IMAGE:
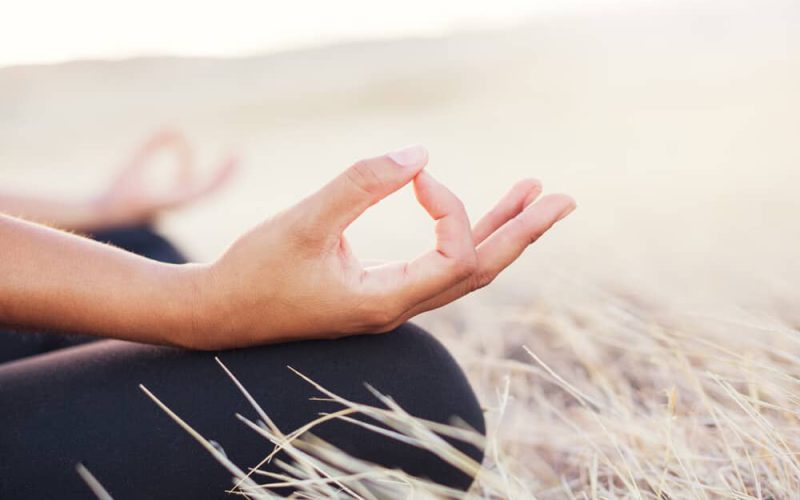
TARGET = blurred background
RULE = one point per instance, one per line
(674, 124)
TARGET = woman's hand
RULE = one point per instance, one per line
(294, 276)
(131, 199)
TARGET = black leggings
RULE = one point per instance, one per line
(70, 399)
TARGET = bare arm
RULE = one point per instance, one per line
(128, 199)
(54, 280)
(80, 215)
(292, 277)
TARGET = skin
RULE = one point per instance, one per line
(128, 198)
(292, 277)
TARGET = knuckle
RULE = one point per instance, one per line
(482, 278)
(535, 235)
(304, 238)
(364, 177)
(529, 230)
(302, 231)
(303, 234)
(458, 205)
(518, 224)
(524, 233)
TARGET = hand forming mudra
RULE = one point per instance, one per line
(128, 199)
(294, 276)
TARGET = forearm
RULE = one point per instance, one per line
(64, 214)
(57, 281)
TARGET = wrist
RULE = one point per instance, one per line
(212, 313)
(184, 305)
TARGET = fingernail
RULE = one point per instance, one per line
(409, 156)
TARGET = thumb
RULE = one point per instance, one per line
(364, 184)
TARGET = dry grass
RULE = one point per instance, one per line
(604, 400)
(610, 401)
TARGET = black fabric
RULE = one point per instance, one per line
(82, 404)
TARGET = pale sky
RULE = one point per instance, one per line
(42, 31)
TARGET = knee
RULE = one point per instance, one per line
(439, 387)
(447, 396)
(418, 372)
(408, 364)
